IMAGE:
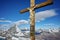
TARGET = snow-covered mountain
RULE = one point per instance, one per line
(17, 34)
(14, 33)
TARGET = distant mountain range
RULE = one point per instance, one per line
(14, 33)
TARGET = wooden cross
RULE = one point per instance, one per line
(32, 15)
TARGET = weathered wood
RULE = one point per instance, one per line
(32, 20)
(32, 15)
(24, 10)
(38, 6)
(43, 4)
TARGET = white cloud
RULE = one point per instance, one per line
(40, 16)
(51, 25)
(5, 21)
(7, 26)
(4, 26)
(21, 22)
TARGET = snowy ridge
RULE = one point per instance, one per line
(17, 33)
(14, 33)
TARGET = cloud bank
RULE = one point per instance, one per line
(21, 22)
(40, 16)
(4, 20)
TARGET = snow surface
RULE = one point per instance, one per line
(17, 33)
(2, 37)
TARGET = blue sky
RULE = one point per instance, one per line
(49, 15)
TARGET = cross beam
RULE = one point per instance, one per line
(32, 15)
(48, 2)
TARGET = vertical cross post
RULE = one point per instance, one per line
(32, 15)
(32, 20)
